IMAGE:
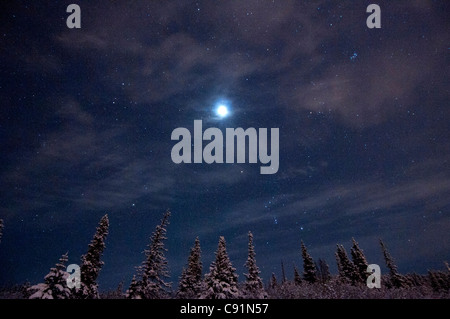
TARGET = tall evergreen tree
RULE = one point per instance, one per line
(253, 286)
(91, 262)
(283, 273)
(222, 281)
(191, 277)
(135, 290)
(396, 279)
(273, 283)
(55, 283)
(297, 277)
(323, 271)
(151, 283)
(309, 267)
(359, 260)
(347, 270)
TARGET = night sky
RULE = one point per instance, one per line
(87, 116)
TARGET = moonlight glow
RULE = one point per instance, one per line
(222, 110)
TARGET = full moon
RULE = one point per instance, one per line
(222, 110)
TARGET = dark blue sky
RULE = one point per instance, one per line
(87, 116)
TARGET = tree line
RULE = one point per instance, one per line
(221, 282)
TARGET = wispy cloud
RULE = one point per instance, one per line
(343, 204)
(86, 166)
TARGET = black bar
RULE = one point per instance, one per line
(239, 308)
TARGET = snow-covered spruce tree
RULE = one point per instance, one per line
(396, 280)
(323, 271)
(253, 286)
(297, 277)
(222, 281)
(309, 267)
(273, 282)
(135, 290)
(91, 262)
(191, 277)
(55, 283)
(359, 260)
(347, 270)
(151, 283)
